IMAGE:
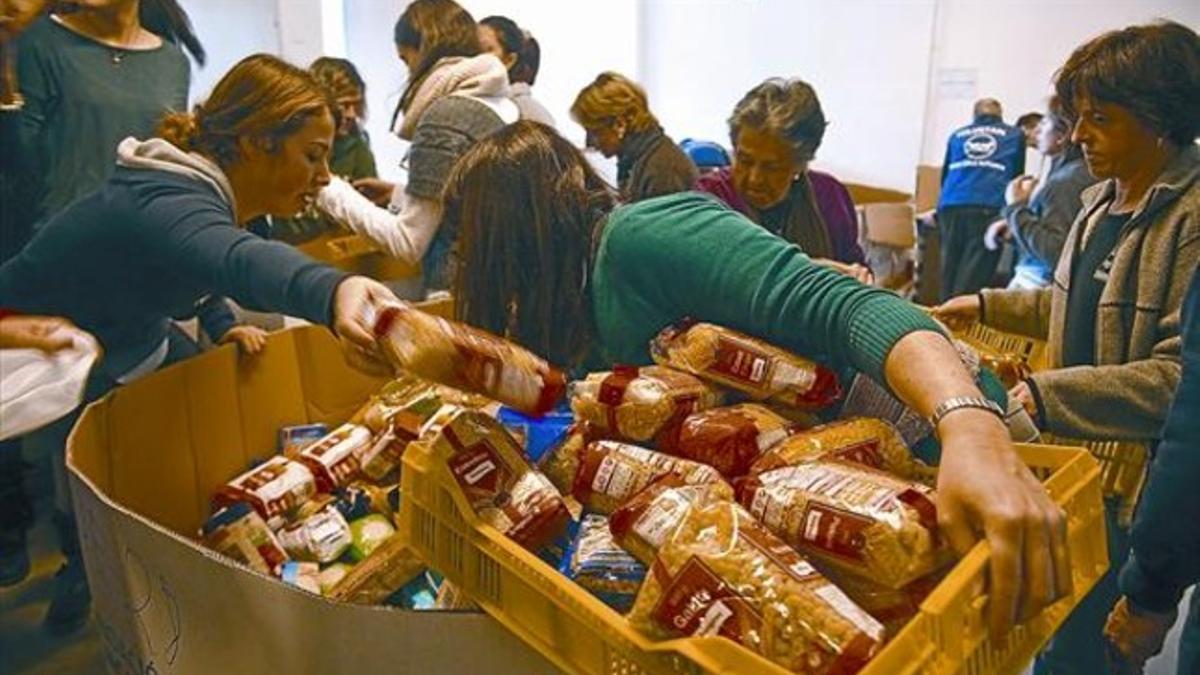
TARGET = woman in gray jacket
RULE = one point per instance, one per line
(1111, 318)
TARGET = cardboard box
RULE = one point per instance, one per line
(143, 463)
(929, 187)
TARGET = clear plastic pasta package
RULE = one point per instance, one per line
(274, 488)
(859, 520)
(610, 472)
(640, 405)
(892, 607)
(730, 439)
(645, 521)
(491, 469)
(752, 366)
(861, 440)
(722, 574)
(598, 564)
(459, 356)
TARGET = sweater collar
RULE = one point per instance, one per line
(635, 147)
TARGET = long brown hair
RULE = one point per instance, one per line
(526, 204)
(436, 29)
(262, 97)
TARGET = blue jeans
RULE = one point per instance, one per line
(1078, 646)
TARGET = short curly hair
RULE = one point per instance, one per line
(1153, 70)
(788, 108)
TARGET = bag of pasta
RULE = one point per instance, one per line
(757, 368)
(722, 574)
(640, 404)
(646, 520)
(892, 607)
(857, 519)
(859, 440)
(459, 356)
(610, 472)
(730, 439)
(504, 490)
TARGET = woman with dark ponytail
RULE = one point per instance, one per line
(520, 53)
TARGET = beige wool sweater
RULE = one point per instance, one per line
(1125, 396)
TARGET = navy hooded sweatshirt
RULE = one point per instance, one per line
(150, 245)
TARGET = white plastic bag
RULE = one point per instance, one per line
(37, 387)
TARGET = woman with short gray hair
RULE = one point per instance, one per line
(776, 130)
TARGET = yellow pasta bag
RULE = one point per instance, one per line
(750, 365)
(640, 404)
(860, 440)
(722, 574)
(862, 521)
(459, 356)
(730, 439)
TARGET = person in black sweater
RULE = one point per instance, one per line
(165, 232)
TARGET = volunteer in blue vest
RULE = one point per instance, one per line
(981, 158)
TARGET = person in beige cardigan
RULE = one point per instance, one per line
(1112, 316)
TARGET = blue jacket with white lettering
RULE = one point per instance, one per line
(981, 158)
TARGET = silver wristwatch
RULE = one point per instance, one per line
(959, 402)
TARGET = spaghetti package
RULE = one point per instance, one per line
(756, 368)
(610, 472)
(239, 532)
(640, 404)
(459, 356)
(644, 522)
(489, 466)
(730, 439)
(862, 521)
(334, 460)
(274, 488)
(860, 440)
(722, 574)
(386, 570)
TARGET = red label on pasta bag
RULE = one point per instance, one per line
(740, 361)
(696, 602)
(835, 531)
(480, 473)
(865, 453)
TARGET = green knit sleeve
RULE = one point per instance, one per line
(689, 255)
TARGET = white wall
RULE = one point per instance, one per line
(578, 40)
(867, 59)
(894, 76)
(230, 30)
(1014, 48)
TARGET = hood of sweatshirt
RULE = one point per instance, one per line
(157, 154)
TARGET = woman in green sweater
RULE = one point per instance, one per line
(546, 259)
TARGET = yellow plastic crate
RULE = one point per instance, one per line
(580, 634)
(1123, 464)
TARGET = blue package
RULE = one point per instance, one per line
(537, 435)
(294, 438)
(599, 565)
(420, 593)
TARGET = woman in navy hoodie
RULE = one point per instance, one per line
(165, 232)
